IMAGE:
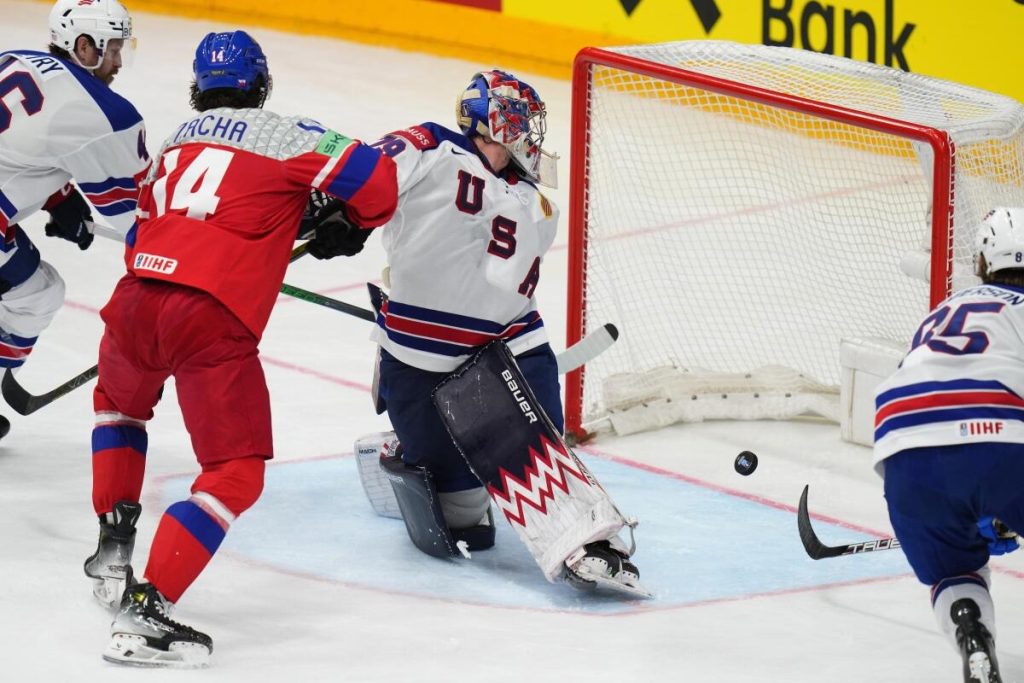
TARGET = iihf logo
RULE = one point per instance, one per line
(981, 428)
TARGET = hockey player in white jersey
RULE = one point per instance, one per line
(60, 121)
(949, 441)
(464, 253)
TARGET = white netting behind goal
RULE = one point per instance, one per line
(725, 235)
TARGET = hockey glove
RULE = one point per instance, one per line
(1001, 539)
(335, 235)
(69, 217)
(317, 207)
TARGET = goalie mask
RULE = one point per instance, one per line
(101, 20)
(501, 108)
(231, 60)
(1000, 240)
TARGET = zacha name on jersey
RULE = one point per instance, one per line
(224, 127)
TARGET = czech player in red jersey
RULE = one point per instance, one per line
(219, 214)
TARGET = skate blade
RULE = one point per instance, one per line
(132, 650)
(584, 579)
(633, 588)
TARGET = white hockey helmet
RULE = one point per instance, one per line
(1000, 240)
(101, 20)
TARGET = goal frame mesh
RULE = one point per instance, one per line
(941, 266)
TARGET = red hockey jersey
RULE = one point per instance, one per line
(221, 207)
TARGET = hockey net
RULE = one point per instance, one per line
(739, 210)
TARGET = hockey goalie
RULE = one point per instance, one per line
(555, 505)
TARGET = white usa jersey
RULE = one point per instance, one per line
(963, 379)
(59, 122)
(464, 251)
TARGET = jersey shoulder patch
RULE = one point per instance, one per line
(430, 135)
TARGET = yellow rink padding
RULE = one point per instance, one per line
(483, 36)
(975, 42)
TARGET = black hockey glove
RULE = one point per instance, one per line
(69, 214)
(317, 208)
(335, 235)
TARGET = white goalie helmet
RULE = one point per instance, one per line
(502, 108)
(1000, 240)
(101, 20)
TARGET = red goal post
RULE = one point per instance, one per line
(703, 166)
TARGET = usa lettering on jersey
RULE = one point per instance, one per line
(474, 230)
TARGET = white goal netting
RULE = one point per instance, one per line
(735, 235)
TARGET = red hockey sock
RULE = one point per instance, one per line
(118, 463)
(190, 531)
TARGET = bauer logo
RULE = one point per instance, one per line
(157, 264)
(517, 394)
(981, 428)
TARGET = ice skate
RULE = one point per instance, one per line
(143, 634)
(109, 565)
(976, 644)
(600, 565)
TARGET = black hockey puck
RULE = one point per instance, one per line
(746, 463)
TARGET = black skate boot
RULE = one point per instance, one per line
(601, 565)
(109, 565)
(143, 634)
(976, 645)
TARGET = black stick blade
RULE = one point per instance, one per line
(814, 547)
(817, 550)
(25, 403)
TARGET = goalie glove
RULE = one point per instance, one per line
(69, 217)
(335, 235)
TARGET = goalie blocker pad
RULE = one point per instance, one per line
(548, 496)
(420, 509)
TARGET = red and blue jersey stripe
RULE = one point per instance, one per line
(447, 334)
(113, 196)
(958, 400)
(14, 350)
(7, 212)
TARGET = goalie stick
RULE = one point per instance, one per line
(25, 403)
(818, 550)
(587, 349)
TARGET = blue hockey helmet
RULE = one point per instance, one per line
(502, 108)
(230, 60)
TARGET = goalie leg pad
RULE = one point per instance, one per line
(549, 497)
(420, 507)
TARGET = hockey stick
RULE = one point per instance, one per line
(25, 403)
(328, 302)
(818, 550)
(587, 349)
